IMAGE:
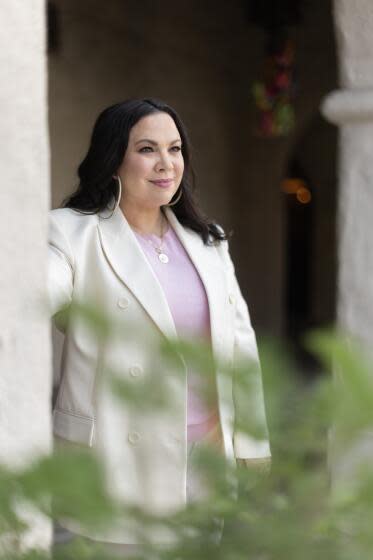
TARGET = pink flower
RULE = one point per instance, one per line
(282, 80)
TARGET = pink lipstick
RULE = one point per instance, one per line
(163, 182)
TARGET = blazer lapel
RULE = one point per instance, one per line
(211, 271)
(128, 261)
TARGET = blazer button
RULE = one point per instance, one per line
(135, 370)
(232, 299)
(134, 437)
(123, 302)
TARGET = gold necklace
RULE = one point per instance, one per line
(161, 254)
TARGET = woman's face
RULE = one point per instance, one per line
(153, 154)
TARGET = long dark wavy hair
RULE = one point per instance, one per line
(106, 151)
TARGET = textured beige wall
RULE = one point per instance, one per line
(354, 23)
(351, 107)
(24, 195)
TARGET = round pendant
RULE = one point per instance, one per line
(163, 258)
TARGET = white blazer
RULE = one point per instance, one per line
(97, 258)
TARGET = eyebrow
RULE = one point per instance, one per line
(155, 143)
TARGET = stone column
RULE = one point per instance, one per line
(25, 383)
(351, 108)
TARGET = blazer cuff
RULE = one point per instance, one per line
(73, 427)
(247, 447)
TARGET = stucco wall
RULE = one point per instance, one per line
(351, 108)
(24, 330)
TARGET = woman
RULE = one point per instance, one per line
(133, 239)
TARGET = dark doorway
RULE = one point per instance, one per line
(310, 208)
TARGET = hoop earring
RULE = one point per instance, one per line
(177, 198)
(119, 192)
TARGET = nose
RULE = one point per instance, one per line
(164, 161)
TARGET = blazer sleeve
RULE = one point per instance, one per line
(60, 267)
(250, 435)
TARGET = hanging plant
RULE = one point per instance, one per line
(274, 94)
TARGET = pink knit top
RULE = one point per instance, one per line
(188, 304)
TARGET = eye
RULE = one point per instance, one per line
(145, 149)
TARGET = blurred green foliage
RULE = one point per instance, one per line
(297, 511)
